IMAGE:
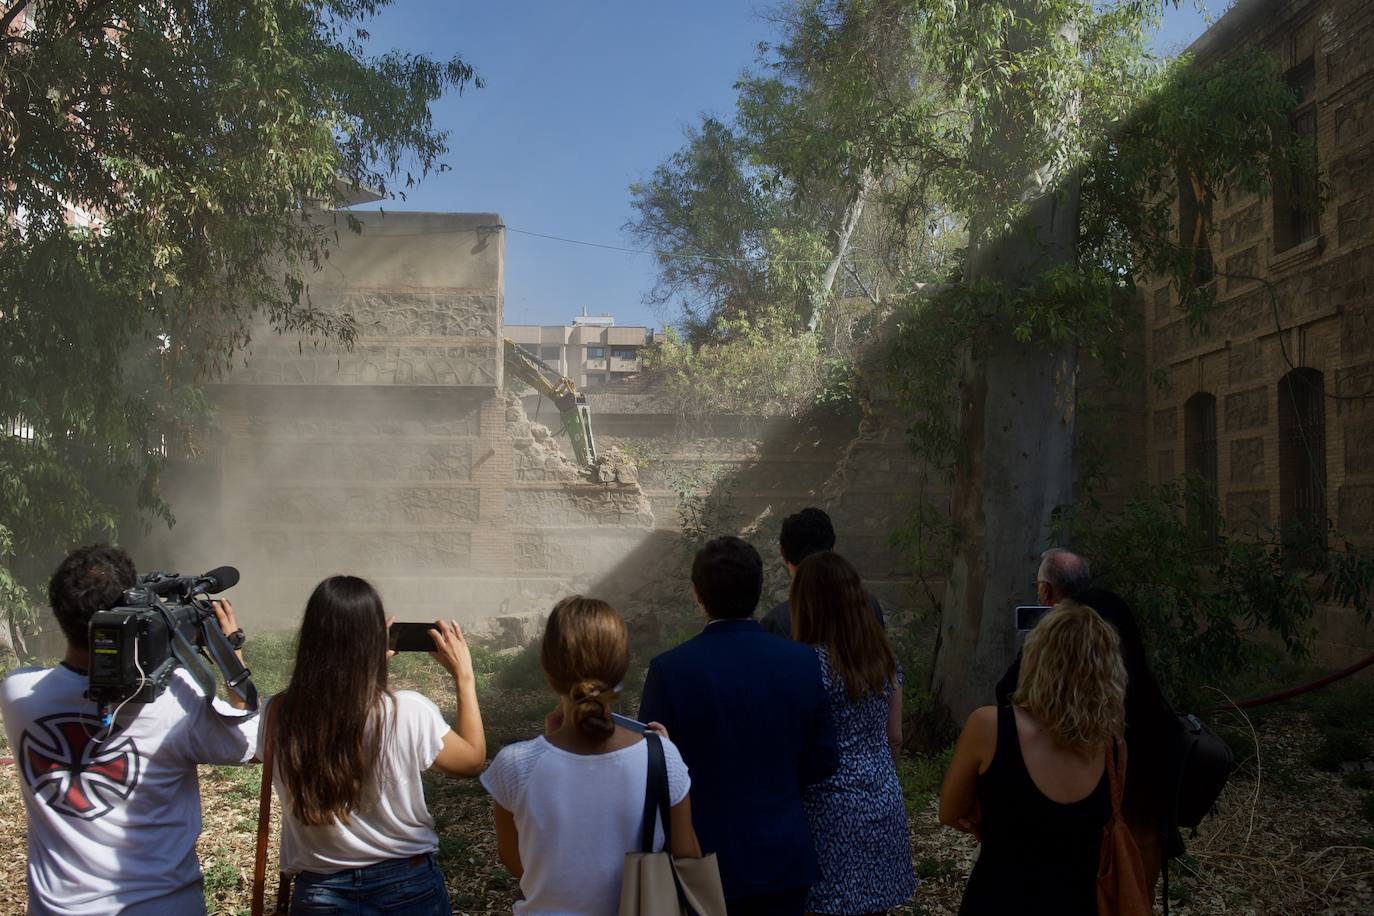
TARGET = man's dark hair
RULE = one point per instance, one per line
(728, 576)
(90, 579)
(808, 531)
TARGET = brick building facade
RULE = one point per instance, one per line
(1271, 407)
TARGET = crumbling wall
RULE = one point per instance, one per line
(402, 459)
(744, 475)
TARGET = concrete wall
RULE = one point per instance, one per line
(402, 459)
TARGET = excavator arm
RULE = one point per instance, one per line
(571, 404)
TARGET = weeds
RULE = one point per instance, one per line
(222, 879)
(920, 776)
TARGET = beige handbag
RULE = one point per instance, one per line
(655, 883)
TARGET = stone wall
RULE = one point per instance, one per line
(401, 459)
(1320, 316)
(752, 472)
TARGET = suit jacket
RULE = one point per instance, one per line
(778, 621)
(749, 714)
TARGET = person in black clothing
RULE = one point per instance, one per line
(1030, 779)
(803, 534)
(1149, 729)
(751, 717)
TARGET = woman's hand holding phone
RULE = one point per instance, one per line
(451, 650)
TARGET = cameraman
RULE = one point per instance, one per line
(113, 808)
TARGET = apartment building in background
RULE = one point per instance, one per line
(592, 351)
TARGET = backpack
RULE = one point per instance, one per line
(1199, 765)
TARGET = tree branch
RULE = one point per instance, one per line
(854, 273)
(11, 15)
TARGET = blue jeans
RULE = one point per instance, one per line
(411, 886)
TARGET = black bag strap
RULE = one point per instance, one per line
(655, 796)
(657, 807)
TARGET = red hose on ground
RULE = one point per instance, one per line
(1295, 691)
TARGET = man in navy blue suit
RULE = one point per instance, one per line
(749, 715)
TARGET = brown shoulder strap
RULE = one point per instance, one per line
(1116, 771)
(264, 813)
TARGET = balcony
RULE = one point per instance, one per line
(631, 336)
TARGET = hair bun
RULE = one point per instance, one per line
(586, 690)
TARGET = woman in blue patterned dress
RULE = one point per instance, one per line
(858, 817)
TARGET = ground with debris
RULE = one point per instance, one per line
(1293, 834)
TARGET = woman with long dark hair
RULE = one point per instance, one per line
(569, 804)
(348, 754)
(1030, 778)
(858, 817)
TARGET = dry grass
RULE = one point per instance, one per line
(1287, 838)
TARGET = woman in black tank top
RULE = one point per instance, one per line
(1039, 855)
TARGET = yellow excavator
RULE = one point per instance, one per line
(571, 403)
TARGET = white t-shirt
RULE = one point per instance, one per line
(395, 823)
(113, 822)
(577, 816)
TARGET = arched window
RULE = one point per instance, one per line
(1302, 461)
(1200, 462)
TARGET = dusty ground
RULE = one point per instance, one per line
(1287, 839)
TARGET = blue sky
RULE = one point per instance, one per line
(582, 99)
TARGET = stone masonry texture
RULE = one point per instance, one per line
(1320, 316)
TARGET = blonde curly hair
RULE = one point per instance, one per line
(1073, 680)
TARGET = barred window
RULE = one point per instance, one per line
(1200, 462)
(1302, 461)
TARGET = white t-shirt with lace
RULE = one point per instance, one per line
(395, 823)
(577, 816)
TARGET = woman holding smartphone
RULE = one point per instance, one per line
(569, 804)
(348, 754)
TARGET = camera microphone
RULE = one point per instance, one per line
(219, 579)
(213, 582)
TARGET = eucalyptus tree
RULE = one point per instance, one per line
(775, 209)
(162, 170)
(1044, 137)
(1075, 138)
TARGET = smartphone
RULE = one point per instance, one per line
(633, 725)
(411, 637)
(1028, 615)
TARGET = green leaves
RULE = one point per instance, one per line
(1200, 602)
(161, 169)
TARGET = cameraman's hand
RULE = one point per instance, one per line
(229, 625)
(224, 615)
(451, 650)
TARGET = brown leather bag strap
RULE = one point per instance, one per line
(264, 814)
(1116, 770)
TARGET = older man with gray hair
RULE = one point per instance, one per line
(1063, 574)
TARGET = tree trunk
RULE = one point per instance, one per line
(847, 225)
(1016, 422)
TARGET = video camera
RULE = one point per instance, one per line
(164, 621)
